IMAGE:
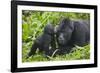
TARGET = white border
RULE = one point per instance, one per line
(53, 63)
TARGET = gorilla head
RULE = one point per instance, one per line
(64, 31)
(49, 29)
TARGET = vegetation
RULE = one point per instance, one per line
(33, 23)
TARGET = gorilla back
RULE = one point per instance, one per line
(81, 33)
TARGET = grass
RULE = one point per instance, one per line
(78, 53)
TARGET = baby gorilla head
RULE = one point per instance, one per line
(64, 31)
(49, 29)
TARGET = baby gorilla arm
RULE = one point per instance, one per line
(33, 50)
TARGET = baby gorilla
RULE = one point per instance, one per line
(44, 41)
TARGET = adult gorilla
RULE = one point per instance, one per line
(71, 33)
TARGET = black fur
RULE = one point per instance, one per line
(72, 32)
(44, 41)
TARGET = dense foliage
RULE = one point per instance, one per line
(33, 23)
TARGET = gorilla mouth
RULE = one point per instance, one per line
(62, 42)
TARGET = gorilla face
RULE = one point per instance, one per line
(64, 36)
(64, 31)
